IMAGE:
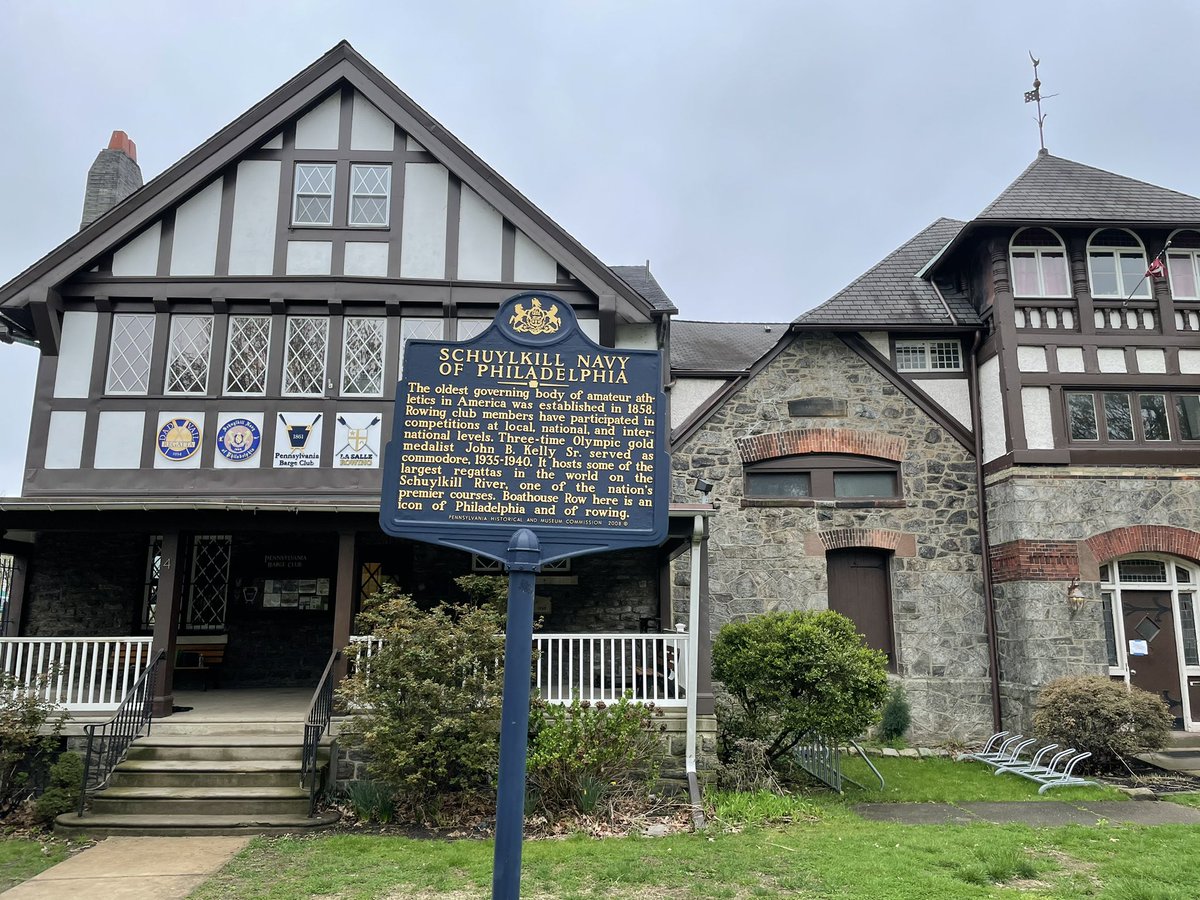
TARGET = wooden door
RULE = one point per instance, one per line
(858, 589)
(1148, 617)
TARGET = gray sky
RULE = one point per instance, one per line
(760, 154)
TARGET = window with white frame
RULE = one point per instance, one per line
(1183, 265)
(129, 353)
(305, 348)
(363, 339)
(469, 328)
(246, 355)
(1120, 577)
(188, 354)
(370, 190)
(1039, 264)
(419, 329)
(928, 356)
(312, 203)
(1117, 264)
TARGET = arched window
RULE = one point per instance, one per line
(1117, 264)
(1183, 265)
(1039, 264)
(823, 476)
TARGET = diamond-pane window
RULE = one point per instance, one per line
(420, 329)
(370, 579)
(150, 591)
(362, 356)
(208, 589)
(370, 188)
(246, 357)
(304, 355)
(468, 328)
(313, 202)
(129, 353)
(188, 356)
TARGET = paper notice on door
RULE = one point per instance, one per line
(1139, 648)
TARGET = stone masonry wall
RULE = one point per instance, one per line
(1059, 509)
(765, 558)
(85, 584)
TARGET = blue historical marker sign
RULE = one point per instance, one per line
(529, 425)
(527, 444)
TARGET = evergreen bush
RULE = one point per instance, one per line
(66, 781)
(897, 715)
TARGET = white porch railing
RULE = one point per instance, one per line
(596, 667)
(78, 674)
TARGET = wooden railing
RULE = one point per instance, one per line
(77, 674)
(593, 667)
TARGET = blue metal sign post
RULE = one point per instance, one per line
(527, 444)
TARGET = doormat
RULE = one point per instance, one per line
(176, 709)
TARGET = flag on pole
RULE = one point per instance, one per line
(1156, 269)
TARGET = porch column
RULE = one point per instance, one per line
(343, 603)
(16, 595)
(166, 618)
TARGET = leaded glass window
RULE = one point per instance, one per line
(419, 329)
(1110, 634)
(188, 355)
(304, 356)
(246, 357)
(1155, 426)
(363, 340)
(129, 353)
(1142, 570)
(313, 201)
(1187, 407)
(1118, 420)
(469, 328)
(8, 565)
(1081, 409)
(1187, 621)
(208, 587)
(370, 189)
(150, 589)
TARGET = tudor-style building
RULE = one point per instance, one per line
(219, 355)
(1024, 351)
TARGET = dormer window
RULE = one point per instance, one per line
(1183, 265)
(1039, 264)
(1117, 265)
(313, 200)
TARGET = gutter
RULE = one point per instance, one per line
(945, 305)
(989, 600)
(693, 674)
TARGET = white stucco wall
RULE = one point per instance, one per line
(319, 129)
(255, 212)
(689, 394)
(532, 263)
(120, 434)
(370, 129)
(140, 255)
(1035, 405)
(194, 246)
(423, 237)
(77, 346)
(991, 411)
(480, 238)
(951, 394)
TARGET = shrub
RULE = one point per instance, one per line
(789, 674)
(1103, 716)
(66, 780)
(583, 752)
(897, 715)
(428, 701)
(24, 749)
(371, 801)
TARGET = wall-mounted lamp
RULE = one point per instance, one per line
(704, 488)
(1075, 597)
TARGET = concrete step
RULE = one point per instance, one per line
(188, 825)
(166, 727)
(248, 802)
(1181, 739)
(144, 750)
(206, 773)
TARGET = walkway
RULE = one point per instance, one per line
(1043, 814)
(133, 868)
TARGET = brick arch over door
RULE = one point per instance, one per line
(876, 538)
(820, 440)
(1145, 539)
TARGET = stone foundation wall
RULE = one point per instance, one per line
(772, 557)
(85, 584)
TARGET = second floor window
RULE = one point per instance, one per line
(246, 357)
(304, 356)
(1117, 265)
(312, 203)
(129, 354)
(370, 188)
(188, 354)
(928, 356)
(1183, 265)
(1122, 418)
(1039, 264)
(362, 356)
(823, 476)
(421, 329)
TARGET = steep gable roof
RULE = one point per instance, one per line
(640, 279)
(721, 346)
(259, 124)
(891, 293)
(1055, 189)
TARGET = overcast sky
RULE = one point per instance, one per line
(760, 154)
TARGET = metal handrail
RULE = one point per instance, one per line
(316, 723)
(131, 717)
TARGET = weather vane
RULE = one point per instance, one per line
(1035, 96)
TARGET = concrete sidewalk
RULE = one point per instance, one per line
(133, 868)
(1042, 814)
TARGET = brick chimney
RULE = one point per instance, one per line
(113, 177)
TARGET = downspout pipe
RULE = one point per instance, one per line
(989, 599)
(693, 675)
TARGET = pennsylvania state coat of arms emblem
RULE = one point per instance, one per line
(535, 320)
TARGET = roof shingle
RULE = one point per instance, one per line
(722, 346)
(640, 279)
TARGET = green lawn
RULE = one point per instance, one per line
(21, 859)
(1184, 799)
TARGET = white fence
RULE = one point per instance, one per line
(78, 674)
(595, 667)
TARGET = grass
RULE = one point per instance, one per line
(1184, 799)
(21, 859)
(841, 857)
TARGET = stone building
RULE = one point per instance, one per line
(1027, 351)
